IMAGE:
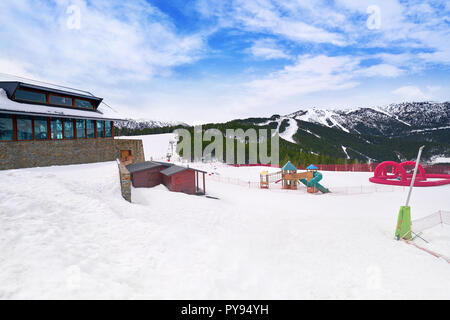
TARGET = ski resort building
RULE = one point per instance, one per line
(52, 125)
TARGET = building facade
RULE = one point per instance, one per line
(49, 125)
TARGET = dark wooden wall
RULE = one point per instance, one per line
(179, 182)
(184, 182)
(148, 178)
(167, 181)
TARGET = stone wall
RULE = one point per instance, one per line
(27, 154)
(125, 181)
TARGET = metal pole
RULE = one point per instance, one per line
(414, 175)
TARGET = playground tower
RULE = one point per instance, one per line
(288, 170)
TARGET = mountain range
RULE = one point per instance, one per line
(139, 124)
(392, 132)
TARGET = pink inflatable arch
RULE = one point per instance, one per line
(400, 177)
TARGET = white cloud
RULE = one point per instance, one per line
(308, 75)
(118, 41)
(15, 67)
(274, 18)
(381, 70)
(411, 93)
(268, 49)
(123, 46)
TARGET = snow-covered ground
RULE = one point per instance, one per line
(290, 131)
(440, 159)
(66, 232)
(155, 146)
(436, 239)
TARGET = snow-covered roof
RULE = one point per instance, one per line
(102, 113)
(11, 86)
(43, 85)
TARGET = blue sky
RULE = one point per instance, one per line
(208, 60)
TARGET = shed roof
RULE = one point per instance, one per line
(177, 169)
(166, 164)
(137, 167)
(289, 166)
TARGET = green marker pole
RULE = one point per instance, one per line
(403, 230)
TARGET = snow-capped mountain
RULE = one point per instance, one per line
(146, 124)
(392, 120)
(391, 132)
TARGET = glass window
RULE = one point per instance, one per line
(31, 96)
(40, 129)
(108, 130)
(83, 104)
(6, 128)
(61, 101)
(68, 129)
(100, 129)
(90, 128)
(24, 128)
(81, 129)
(57, 129)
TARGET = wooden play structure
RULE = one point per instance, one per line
(290, 177)
(264, 182)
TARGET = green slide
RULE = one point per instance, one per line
(315, 182)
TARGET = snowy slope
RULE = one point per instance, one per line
(290, 131)
(155, 146)
(77, 238)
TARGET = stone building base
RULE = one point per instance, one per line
(29, 154)
(125, 181)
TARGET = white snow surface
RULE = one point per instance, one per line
(438, 240)
(321, 116)
(440, 159)
(155, 146)
(67, 233)
(290, 131)
(103, 111)
(345, 151)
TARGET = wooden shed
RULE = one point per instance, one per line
(182, 179)
(176, 178)
(146, 174)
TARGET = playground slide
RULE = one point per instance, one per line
(322, 188)
(314, 182)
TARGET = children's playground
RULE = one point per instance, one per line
(290, 177)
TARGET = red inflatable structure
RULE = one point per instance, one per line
(401, 174)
